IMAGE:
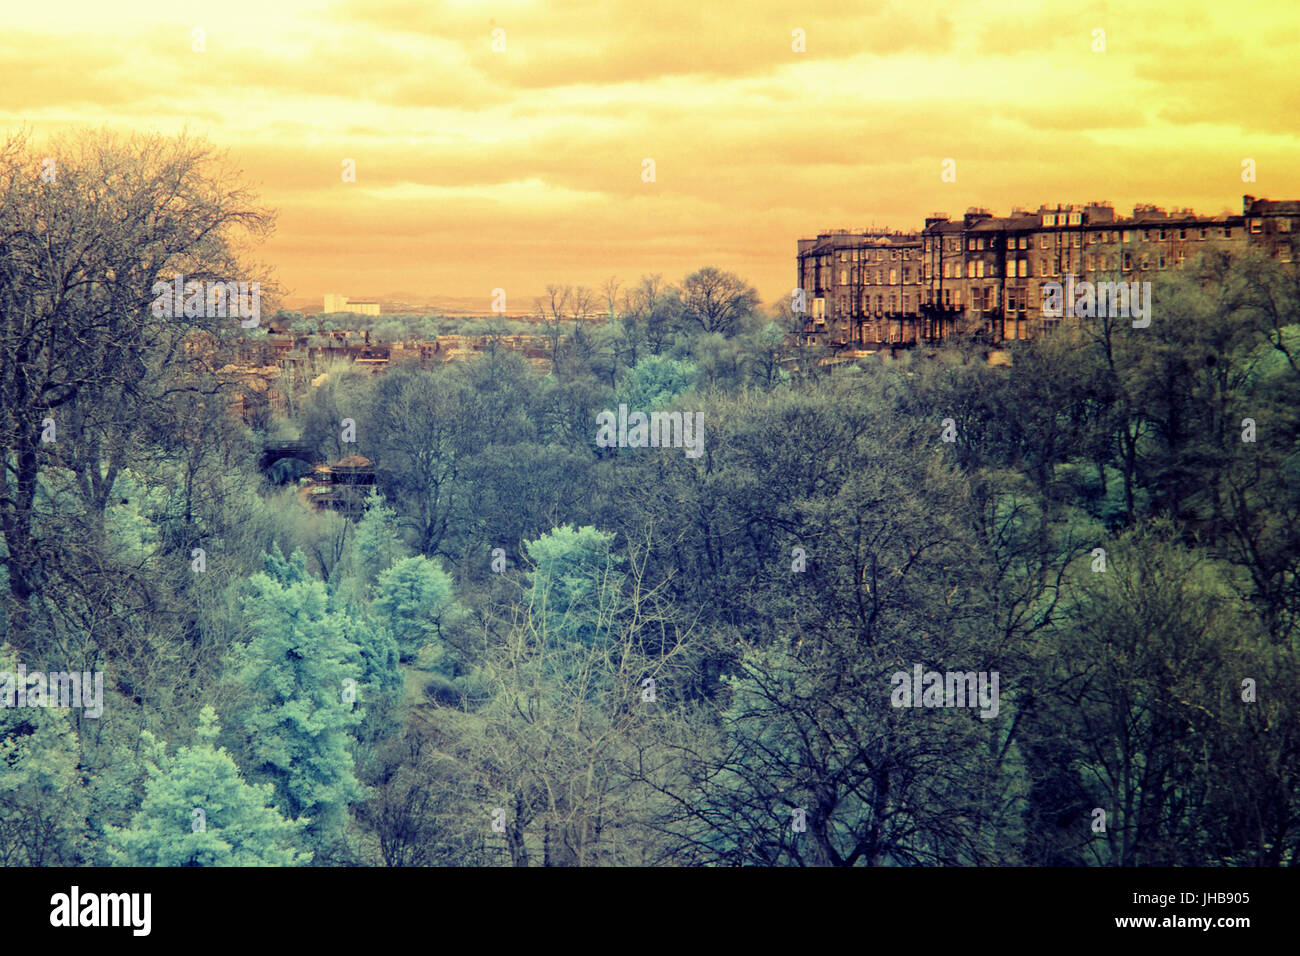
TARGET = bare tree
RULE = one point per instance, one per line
(610, 287)
(581, 303)
(90, 225)
(568, 721)
(718, 301)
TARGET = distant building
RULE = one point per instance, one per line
(343, 486)
(339, 303)
(981, 275)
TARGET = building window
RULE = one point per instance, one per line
(1024, 268)
(1077, 240)
(1205, 233)
(1128, 262)
(1127, 236)
(979, 269)
(1182, 255)
(1042, 241)
(1182, 233)
(907, 274)
(844, 275)
(1284, 225)
(893, 277)
(1161, 261)
(1088, 262)
(1256, 226)
(1227, 232)
(1162, 234)
(1146, 261)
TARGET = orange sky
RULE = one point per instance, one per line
(479, 169)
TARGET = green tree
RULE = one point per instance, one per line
(1139, 712)
(42, 798)
(378, 541)
(575, 584)
(655, 382)
(411, 598)
(302, 673)
(198, 811)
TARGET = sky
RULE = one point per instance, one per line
(479, 168)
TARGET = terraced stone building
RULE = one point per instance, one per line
(981, 275)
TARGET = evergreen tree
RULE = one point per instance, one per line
(198, 811)
(378, 541)
(302, 671)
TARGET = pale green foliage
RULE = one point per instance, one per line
(655, 381)
(378, 541)
(235, 825)
(295, 670)
(411, 597)
(575, 583)
(42, 800)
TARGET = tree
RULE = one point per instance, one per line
(421, 438)
(411, 597)
(567, 721)
(655, 382)
(296, 672)
(609, 288)
(42, 797)
(1139, 711)
(377, 542)
(198, 811)
(651, 312)
(80, 253)
(575, 574)
(717, 301)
